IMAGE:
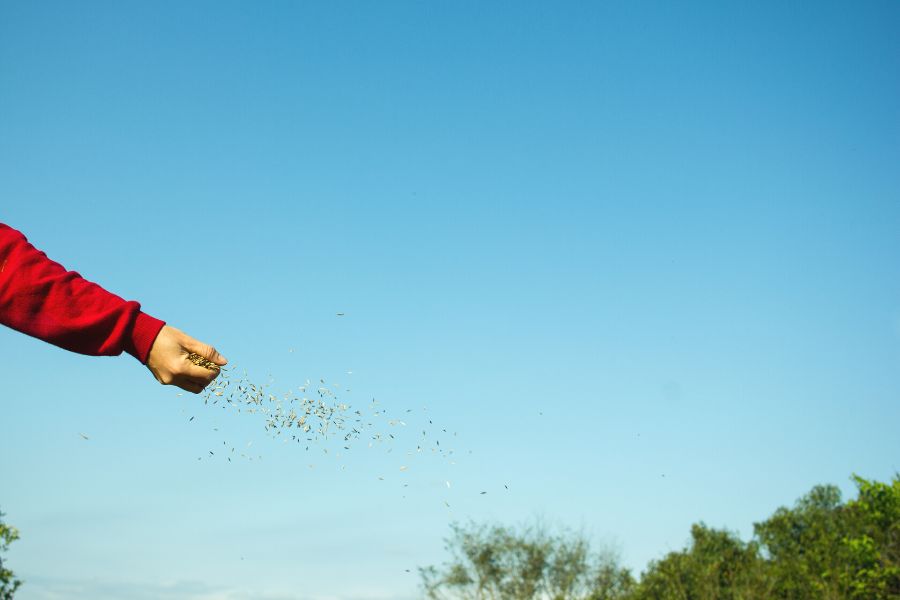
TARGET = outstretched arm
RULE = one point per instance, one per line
(40, 298)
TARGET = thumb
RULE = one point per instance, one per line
(204, 350)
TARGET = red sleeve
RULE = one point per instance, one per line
(42, 299)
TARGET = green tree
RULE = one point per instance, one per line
(503, 563)
(820, 549)
(716, 565)
(825, 549)
(804, 547)
(8, 582)
(874, 541)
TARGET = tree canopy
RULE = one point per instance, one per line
(8, 582)
(503, 563)
(821, 548)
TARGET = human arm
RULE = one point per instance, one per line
(40, 298)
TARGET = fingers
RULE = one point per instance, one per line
(190, 385)
(169, 363)
(191, 371)
(204, 350)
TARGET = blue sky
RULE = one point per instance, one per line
(642, 258)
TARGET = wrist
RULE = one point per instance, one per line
(143, 334)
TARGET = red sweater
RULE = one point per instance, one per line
(41, 298)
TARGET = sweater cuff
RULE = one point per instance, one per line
(143, 334)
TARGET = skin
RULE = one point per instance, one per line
(168, 360)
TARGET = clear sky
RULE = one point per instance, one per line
(642, 258)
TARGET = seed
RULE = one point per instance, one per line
(203, 362)
(308, 421)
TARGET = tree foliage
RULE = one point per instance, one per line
(716, 565)
(501, 563)
(8, 582)
(822, 548)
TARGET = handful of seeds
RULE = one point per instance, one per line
(202, 362)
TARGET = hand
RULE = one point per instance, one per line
(168, 360)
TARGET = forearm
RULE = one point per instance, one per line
(40, 298)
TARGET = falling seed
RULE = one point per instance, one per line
(84, 437)
(316, 416)
(448, 484)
